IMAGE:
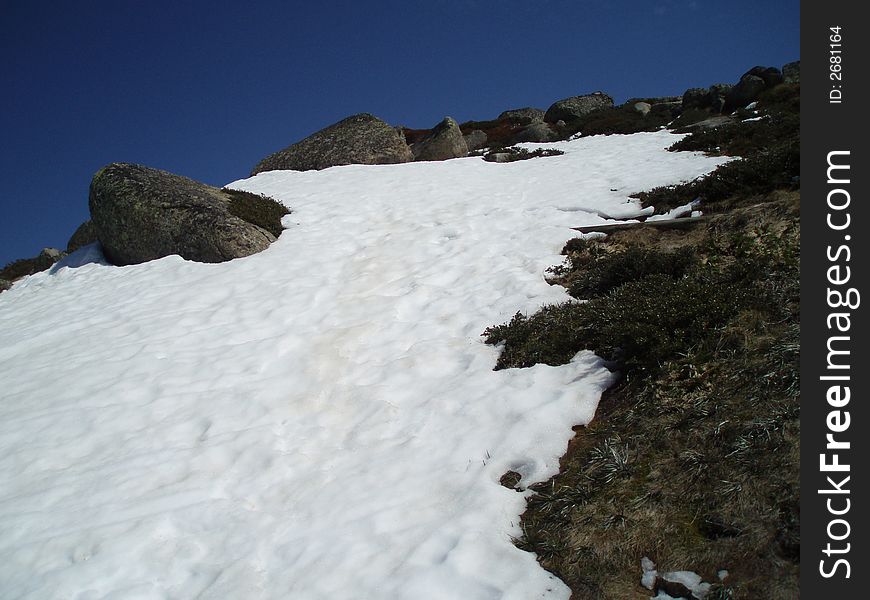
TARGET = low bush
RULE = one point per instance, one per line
(513, 154)
(26, 266)
(257, 209)
(743, 138)
(737, 181)
(596, 273)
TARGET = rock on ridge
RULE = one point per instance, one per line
(141, 214)
(569, 109)
(791, 72)
(443, 143)
(85, 234)
(526, 116)
(361, 139)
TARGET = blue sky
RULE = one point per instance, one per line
(206, 89)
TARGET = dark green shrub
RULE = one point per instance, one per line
(257, 209)
(744, 138)
(551, 336)
(648, 306)
(647, 322)
(606, 272)
(640, 324)
(760, 173)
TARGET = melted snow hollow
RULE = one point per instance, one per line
(317, 421)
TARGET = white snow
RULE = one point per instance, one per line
(650, 574)
(691, 580)
(320, 420)
(686, 210)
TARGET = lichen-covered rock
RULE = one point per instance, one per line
(527, 115)
(362, 139)
(84, 235)
(51, 254)
(141, 214)
(475, 140)
(575, 107)
(445, 142)
(642, 107)
(791, 72)
(536, 132)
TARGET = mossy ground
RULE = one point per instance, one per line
(693, 457)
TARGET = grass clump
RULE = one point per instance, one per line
(257, 209)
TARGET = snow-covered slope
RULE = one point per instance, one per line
(320, 420)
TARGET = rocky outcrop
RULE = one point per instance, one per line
(5, 285)
(717, 95)
(141, 214)
(475, 140)
(791, 72)
(358, 140)
(443, 143)
(770, 75)
(712, 98)
(84, 235)
(750, 86)
(745, 92)
(695, 98)
(570, 109)
(527, 115)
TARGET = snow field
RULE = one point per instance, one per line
(317, 421)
